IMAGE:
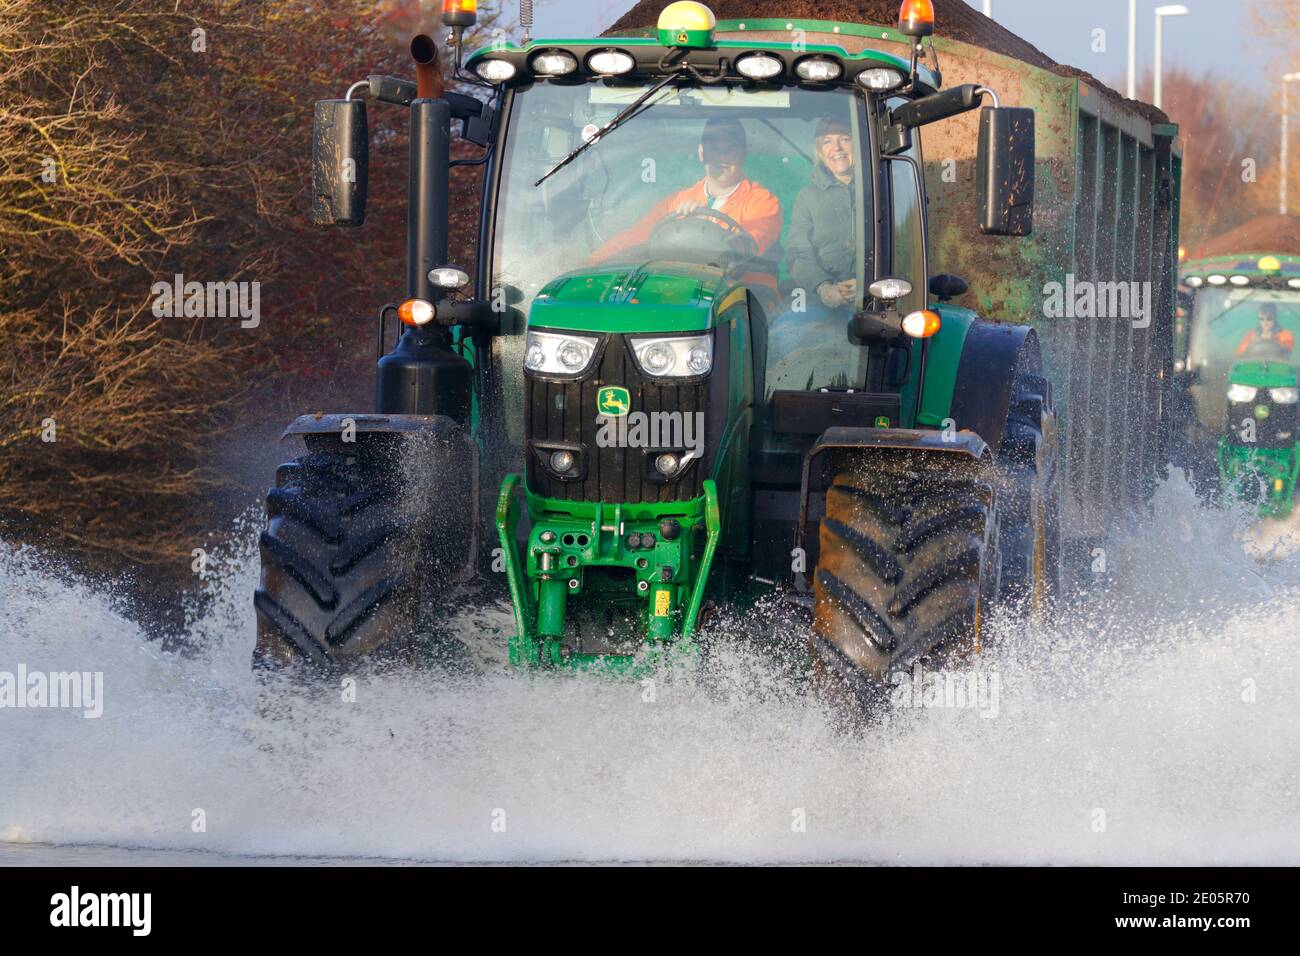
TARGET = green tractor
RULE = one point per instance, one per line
(632, 422)
(1258, 460)
(1240, 374)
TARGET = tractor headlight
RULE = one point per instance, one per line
(1242, 393)
(1284, 396)
(677, 357)
(554, 63)
(610, 62)
(818, 69)
(449, 277)
(553, 353)
(759, 66)
(881, 79)
(667, 464)
(494, 70)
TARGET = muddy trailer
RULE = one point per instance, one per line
(1108, 173)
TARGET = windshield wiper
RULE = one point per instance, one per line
(613, 124)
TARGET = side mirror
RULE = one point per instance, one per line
(937, 106)
(340, 159)
(1004, 169)
(945, 287)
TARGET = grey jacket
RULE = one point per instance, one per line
(821, 245)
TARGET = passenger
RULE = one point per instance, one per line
(1268, 331)
(822, 258)
(724, 187)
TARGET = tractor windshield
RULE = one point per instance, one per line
(702, 174)
(1234, 324)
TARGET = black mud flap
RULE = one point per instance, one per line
(346, 426)
(994, 353)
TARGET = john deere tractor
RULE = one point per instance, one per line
(1258, 454)
(631, 417)
(1240, 374)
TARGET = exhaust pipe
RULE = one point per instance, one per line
(428, 76)
(427, 195)
(426, 235)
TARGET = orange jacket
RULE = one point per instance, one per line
(750, 205)
(1284, 339)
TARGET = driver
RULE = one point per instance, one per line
(1268, 331)
(724, 188)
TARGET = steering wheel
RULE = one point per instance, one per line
(1266, 350)
(699, 229)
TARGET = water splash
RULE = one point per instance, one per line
(1159, 722)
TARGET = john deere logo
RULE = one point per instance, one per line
(613, 400)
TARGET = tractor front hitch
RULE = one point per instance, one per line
(655, 557)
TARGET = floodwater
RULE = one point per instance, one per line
(1158, 722)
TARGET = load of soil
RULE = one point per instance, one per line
(1277, 234)
(953, 19)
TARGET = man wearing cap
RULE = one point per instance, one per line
(725, 187)
(822, 256)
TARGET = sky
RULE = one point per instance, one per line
(1216, 35)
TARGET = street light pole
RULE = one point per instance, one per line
(988, 8)
(1289, 78)
(1132, 49)
(1173, 10)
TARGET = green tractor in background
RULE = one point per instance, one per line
(602, 428)
(1241, 377)
(1258, 460)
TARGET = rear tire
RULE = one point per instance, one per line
(909, 564)
(348, 554)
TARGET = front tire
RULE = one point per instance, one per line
(348, 554)
(909, 563)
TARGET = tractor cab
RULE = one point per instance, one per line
(1237, 303)
(651, 187)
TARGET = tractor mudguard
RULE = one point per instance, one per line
(367, 423)
(993, 355)
(431, 429)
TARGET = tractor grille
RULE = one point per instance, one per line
(566, 412)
